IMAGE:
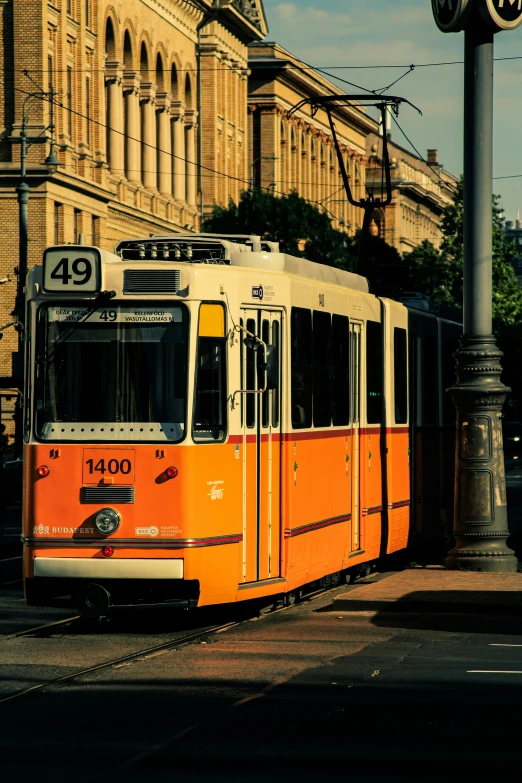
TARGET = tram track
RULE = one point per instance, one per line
(143, 653)
(114, 662)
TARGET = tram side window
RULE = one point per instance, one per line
(400, 371)
(429, 380)
(251, 372)
(374, 372)
(301, 359)
(275, 398)
(242, 380)
(340, 371)
(322, 403)
(265, 397)
(210, 413)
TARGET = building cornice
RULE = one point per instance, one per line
(309, 85)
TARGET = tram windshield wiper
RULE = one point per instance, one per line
(102, 299)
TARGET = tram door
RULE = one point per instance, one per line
(355, 417)
(261, 453)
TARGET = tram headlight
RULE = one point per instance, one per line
(107, 521)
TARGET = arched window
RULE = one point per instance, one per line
(283, 156)
(293, 184)
(144, 109)
(160, 87)
(174, 89)
(127, 51)
(144, 62)
(312, 188)
(128, 62)
(110, 51)
(110, 40)
(188, 92)
(190, 151)
(160, 77)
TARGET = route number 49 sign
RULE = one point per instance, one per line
(71, 270)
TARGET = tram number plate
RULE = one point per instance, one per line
(99, 465)
(67, 270)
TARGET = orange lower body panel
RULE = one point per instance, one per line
(311, 521)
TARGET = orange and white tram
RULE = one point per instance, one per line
(208, 420)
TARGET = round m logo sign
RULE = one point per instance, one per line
(450, 15)
(501, 14)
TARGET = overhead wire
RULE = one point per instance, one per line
(302, 67)
(214, 172)
(442, 181)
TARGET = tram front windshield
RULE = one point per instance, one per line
(111, 374)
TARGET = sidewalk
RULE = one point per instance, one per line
(434, 590)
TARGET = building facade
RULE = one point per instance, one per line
(296, 151)
(141, 87)
(420, 192)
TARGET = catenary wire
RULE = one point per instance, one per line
(215, 172)
(212, 171)
(442, 181)
(303, 67)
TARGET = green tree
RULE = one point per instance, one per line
(301, 228)
(439, 273)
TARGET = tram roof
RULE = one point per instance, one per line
(300, 267)
(240, 250)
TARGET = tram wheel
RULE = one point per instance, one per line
(293, 598)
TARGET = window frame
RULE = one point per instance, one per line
(380, 371)
(402, 390)
(308, 421)
(118, 303)
(223, 340)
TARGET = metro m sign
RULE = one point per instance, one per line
(451, 15)
(501, 14)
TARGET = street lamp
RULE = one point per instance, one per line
(23, 191)
(52, 162)
(480, 518)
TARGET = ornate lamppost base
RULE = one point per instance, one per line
(470, 554)
(480, 519)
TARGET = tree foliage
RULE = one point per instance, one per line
(439, 273)
(300, 228)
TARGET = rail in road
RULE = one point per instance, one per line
(123, 631)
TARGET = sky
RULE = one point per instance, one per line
(402, 32)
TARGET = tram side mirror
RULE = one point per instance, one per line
(272, 367)
(251, 344)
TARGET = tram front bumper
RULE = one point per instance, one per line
(94, 568)
(58, 581)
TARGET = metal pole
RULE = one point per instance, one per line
(23, 228)
(200, 127)
(478, 175)
(480, 518)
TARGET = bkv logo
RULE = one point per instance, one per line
(216, 494)
(257, 292)
(147, 531)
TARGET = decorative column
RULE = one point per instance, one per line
(191, 117)
(148, 134)
(178, 116)
(131, 86)
(114, 82)
(480, 518)
(164, 158)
